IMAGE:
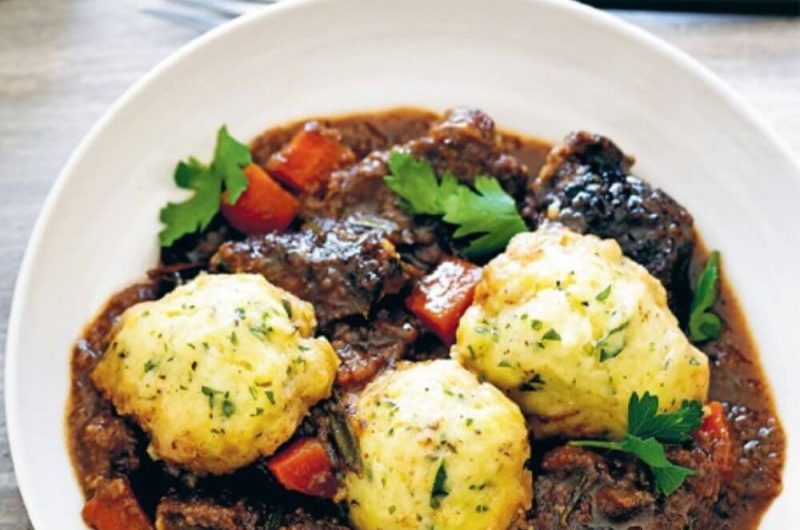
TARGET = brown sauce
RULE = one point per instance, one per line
(103, 445)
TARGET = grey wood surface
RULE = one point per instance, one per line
(63, 62)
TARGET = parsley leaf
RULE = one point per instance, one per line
(415, 181)
(647, 429)
(195, 213)
(230, 157)
(486, 213)
(438, 490)
(645, 421)
(703, 324)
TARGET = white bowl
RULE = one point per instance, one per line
(543, 67)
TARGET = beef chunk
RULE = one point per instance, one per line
(463, 143)
(342, 269)
(466, 144)
(366, 347)
(757, 442)
(576, 488)
(203, 514)
(300, 520)
(109, 445)
(586, 184)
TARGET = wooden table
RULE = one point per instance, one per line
(62, 64)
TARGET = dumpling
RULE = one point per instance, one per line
(440, 450)
(219, 371)
(570, 328)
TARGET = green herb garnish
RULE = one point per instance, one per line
(210, 393)
(703, 324)
(287, 306)
(439, 490)
(149, 365)
(195, 213)
(602, 295)
(551, 334)
(228, 408)
(647, 429)
(612, 344)
(534, 384)
(486, 214)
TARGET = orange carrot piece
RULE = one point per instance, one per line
(716, 434)
(263, 207)
(305, 466)
(309, 158)
(114, 507)
(442, 297)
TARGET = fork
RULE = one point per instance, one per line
(206, 14)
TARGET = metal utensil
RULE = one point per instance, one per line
(206, 14)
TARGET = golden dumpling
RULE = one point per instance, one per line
(570, 329)
(219, 372)
(440, 450)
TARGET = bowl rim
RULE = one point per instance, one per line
(649, 42)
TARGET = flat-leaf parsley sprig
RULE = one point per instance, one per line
(195, 213)
(703, 324)
(486, 214)
(647, 430)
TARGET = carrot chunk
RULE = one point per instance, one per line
(309, 158)
(114, 507)
(442, 297)
(716, 434)
(305, 466)
(263, 207)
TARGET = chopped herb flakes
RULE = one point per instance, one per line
(612, 343)
(228, 408)
(551, 334)
(439, 489)
(287, 306)
(534, 384)
(149, 365)
(604, 294)
(210, 392)
(270, 396)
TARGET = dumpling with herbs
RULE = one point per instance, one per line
(218, 372)
(570, 328)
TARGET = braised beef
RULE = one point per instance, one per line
(340, 268)
(466, 144)
(365, 347)
(355, 254)
(204, 514)
(577, 489)
(101, 442)
(586, 184)
(300, 520)
(191, 253)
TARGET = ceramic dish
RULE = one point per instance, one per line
(543, 67)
